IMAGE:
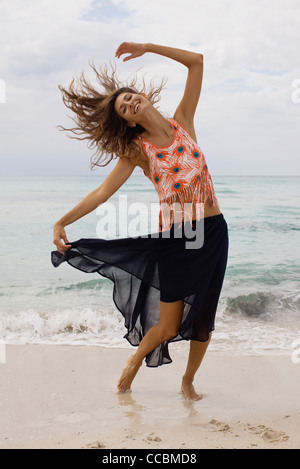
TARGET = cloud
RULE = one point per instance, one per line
(246, 120)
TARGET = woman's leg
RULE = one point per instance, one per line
(198, 349)
(165, 329)
(197, 352)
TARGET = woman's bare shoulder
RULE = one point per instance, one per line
(188, 124)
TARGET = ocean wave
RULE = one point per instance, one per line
(258, 275)
(69, 326)
(93, 284)
(255, 322)
(267, 306)
(259, 226)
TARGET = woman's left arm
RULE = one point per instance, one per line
(187, 58)
(186, 109)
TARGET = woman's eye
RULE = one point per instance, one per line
(127, 98)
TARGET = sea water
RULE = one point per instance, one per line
(259, 307)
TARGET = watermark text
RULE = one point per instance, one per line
(295, 97)
(2, 91)
(296, 352)
(2, 352)
(134, 219)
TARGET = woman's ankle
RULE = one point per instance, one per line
(188, 378)
(136, 360)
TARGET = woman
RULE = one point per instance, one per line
(165, 291)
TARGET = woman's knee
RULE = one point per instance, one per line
(167, 333)
(170, 319)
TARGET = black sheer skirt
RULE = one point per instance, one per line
(184, 263)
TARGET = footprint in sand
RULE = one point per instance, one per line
(268, 434)
(96, 445)
(221, 426)
(152, 437)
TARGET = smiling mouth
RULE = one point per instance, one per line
(136, 108)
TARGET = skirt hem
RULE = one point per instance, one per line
(147, 271)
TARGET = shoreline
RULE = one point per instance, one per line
(64, 396)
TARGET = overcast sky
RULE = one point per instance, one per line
(248, 116)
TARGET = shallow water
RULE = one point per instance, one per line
(259, 306)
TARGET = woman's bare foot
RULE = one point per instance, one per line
(189, 392)
(128, 375)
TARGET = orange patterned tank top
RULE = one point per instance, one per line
(179, 173)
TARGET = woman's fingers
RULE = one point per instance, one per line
(118, 55)
(64, 237)
(59, 235)
(128, 58)
(125, 58)
(123, 47)
(66, 247)
(62, 248)
(119, 51)
(132, 48)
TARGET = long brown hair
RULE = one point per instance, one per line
(96, 119)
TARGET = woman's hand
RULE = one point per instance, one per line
(60, 234)
(133, 48)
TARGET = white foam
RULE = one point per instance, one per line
(235, 334)
(63, 327)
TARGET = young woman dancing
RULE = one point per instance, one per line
(165, 291)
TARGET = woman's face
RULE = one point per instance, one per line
(131, 106)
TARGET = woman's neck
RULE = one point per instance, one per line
(157, 128)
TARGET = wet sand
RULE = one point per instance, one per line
(55, 396)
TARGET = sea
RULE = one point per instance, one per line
(259, 307)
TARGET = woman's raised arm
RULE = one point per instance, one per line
(187, 58)
(186, 109)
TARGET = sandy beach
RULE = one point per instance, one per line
(56, 396)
